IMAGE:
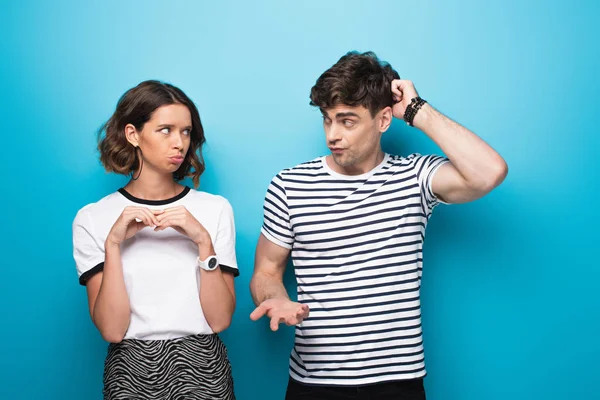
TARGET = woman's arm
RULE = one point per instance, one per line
(107, 295)
(217, 293)
(108, 299)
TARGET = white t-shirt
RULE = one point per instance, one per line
(160, 270)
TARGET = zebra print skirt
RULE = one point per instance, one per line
(191, 367)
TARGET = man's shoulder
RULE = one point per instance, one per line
(404, 160)
(306, 169)
(307, 166)
(414, 161)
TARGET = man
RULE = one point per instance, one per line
(354, 222)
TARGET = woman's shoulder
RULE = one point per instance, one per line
(98, 208)
(208, 203)
(208, 198)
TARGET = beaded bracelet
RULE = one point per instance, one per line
(411, 110)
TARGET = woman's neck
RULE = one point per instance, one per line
(151, 186)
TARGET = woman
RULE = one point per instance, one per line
(157, 258)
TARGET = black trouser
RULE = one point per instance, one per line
(411, 389)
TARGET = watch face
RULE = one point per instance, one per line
(212, 264)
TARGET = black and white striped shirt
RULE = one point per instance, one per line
(356, 244)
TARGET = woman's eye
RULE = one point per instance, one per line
(187, 132)
(165, 130)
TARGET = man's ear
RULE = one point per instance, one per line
(384, 119)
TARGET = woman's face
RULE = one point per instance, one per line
(165, 138)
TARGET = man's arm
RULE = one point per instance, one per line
(475, 168)
(267, 288)
(269, 266)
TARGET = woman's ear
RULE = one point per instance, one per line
(131, 134)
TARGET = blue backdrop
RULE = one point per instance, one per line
(511, 282)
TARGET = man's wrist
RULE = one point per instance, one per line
(276, 296)
(423, 116)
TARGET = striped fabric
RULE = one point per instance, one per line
(356, 244)
(190, 367)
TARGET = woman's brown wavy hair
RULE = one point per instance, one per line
(136, 107)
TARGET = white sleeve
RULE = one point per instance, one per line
(87, 250)
(225, 241)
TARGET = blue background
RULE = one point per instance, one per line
(511, 282)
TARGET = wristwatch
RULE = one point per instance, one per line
(210, 264)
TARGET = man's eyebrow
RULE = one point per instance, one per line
(346, 114)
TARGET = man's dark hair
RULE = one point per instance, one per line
(357, 79)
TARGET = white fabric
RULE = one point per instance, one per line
(160, 270)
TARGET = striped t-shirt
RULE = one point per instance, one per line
(356, 244)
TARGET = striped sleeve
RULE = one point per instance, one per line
(425, 169)
(276, 222)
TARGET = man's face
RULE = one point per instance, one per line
(352, 134)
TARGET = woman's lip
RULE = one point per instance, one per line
(176, 159)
